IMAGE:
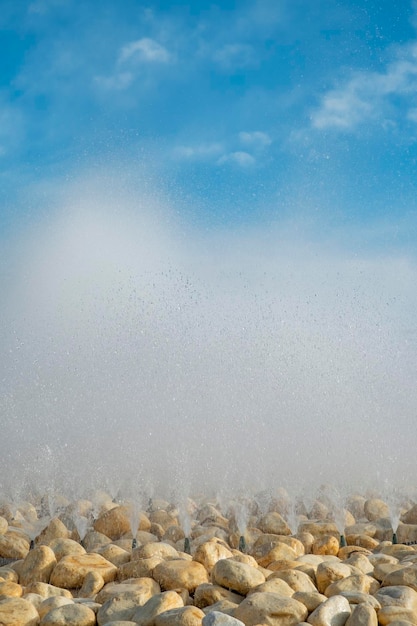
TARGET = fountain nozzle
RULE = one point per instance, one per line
(32, 544)
(394, 538)
(342, 541)
(134, 543)
(187, 545)
(242, 543)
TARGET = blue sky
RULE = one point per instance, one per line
(241, 112)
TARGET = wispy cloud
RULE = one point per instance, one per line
(132, 57)
(145, 50)
(370, 95)
(240, 158)
(256, 139)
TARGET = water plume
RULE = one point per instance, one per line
(137, 348)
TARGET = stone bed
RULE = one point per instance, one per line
(279, 580)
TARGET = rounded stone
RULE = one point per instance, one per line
(140, 590)
(161, 602)
(334, 611)
(37, 566)
(326, 544)
(216, 618)
(62, 546)
(158, 548)
(13, 546)
(70, 572)
(69, 615)
(18, 612)
(180, 574)
(271, 609)
(274, 523)
(236, 576)
(182, 616)
(52, 603)
(10, 589)
(209, 552)
(297, 580)
(363, 615)
(208, 594)
(374, 509)
(3, 525)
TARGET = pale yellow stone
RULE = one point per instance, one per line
(272, 609)
(360, 562)
(9, 589)
(37, 566)
(76, 614)
(357, 582)
(405, 576)
(274, 523)
(159, 549)
(236, 576)
(389, 614)
(52, 603)
(307, 539)
(95, 540)
(265, 555)
(310, 599)
(146, 614)
(317, 528)
(18, 612)
(92, 584)
(364, 541)
(381, 570)
(62, 546)
(224, 606)
(330, 572)
(297, 580)
(162, 518)
(243, 558)
(363, 615)
(173, 533)
(140, 590)
(325, 544)
(209, 552)
(55, 530)
(8, 573)
(359, 597)
(208, 594)
(70, 572)
(367, 529)
(115, 554)
(375, 508)
(34, 598)
(400, 596)
(114, 523)
(356, 505)
(334, 611)
(47, 591)
(13, 545)
(182, 616)
(140, 568)
(345, 552)
(3, 525)
(178, 573)
(274, 585)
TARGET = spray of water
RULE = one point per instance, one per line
(136, 348)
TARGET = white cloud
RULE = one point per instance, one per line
(256, 138)
(145, 50)
(243, 159)
(367, 95)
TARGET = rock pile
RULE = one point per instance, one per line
(281, 579)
